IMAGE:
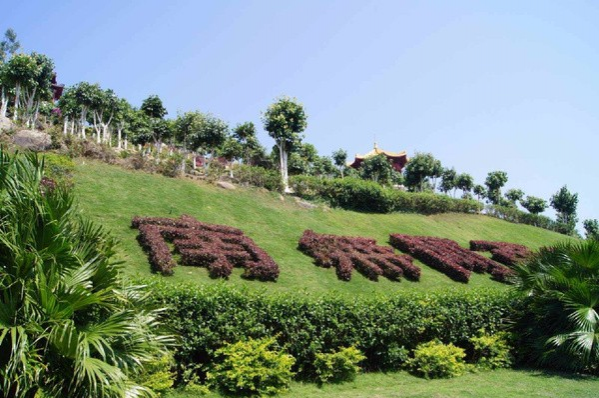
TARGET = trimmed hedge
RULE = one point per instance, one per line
(368, 196)
(383, 328)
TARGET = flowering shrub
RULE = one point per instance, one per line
(346, 253)
(448, 256)
(503, 252)
(216, 247)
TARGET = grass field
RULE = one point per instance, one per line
(112, 196)
(496, 384)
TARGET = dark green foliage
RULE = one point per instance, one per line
(153, 108)
(494, 181)
(435, 360)
(591, 229)
(251, 368)
(338, 367)
(258, 177)
(382, 328)
(368, 196)
(512, 214)
(559, 322)
(378, 169)
(564, 202)
(514, 195)
(421, 168)
(68, 322)
(534, 205)
(465, 182)
(448, 180)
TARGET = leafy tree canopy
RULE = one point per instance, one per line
(534, 205)
(419, 169)
(495, 181)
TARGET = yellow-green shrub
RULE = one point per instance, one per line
(250, 368)
(435, 360)
(491, 351)
(339, 366)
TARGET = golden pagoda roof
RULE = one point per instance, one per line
(378, 151)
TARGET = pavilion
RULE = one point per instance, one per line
(397, 159)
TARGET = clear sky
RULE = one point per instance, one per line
(483, 85)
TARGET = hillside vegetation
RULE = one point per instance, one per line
(112, 196)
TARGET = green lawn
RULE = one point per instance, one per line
(493, 384)
(112, 196)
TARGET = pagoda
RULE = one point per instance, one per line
(397, 159)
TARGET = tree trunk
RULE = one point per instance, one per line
(118, 137)
(4, 104)
(73, 126)
(17, 99)
(283, 167)
(65, 125)
(83, 117)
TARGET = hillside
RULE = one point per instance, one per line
(112, 196)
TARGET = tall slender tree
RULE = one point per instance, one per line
(8, 47)
(285, 120)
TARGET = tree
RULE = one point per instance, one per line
(480, 191)
(123, 117)
(285, 120)
(245, 134)
(448, 180)
(105, 105)
(494, 181)
(20, 73)
(84, 96)
(564, 202)
(465, 182)
(340, 160)
(419, 169)
(153, 108)
(514, 195)
(591, 229)
(534, 205)
(8, 47)
(377, 169)
(69, 325)
(560, 288)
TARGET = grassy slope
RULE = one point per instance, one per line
(501, 383)
(112, 196)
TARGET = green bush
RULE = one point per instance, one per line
(59, 168)
(369, 196)
(434, 360)
(339, 366)
(491, 351)
(258, 177)
(382, 328)
(250, 368)
(171, 166)
(157, 374)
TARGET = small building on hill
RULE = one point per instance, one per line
(397, 159)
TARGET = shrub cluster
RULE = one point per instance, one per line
(448, 256)
(369, 196)
(338, 367)
(518, 216)
(251, 368)
(435, 360)
(257, 177)
(505, 253)
(346, 253)
(384, 329)
(217, 247)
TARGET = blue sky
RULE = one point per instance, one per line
(483, 85)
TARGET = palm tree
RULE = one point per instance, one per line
(68, 324)
(561, 325)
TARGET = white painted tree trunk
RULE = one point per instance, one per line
(4, 103)
(126, 143)
(73, 126)
(17, 99)
(82, 121)
(118, 137)
(66, 125)
(283, 166)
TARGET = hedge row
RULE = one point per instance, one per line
(448, 256)
(216, 247)
(346, 253)
(383, 328)
(368, 196)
